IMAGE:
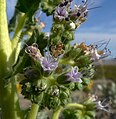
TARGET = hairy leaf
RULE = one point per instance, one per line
(28, 6)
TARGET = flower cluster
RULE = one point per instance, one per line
(93, 51)
(77, 14)
(48, 63)
(49, 72)
(71, 70)
(52, 67)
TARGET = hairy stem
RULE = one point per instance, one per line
(5, 44)
(18, 30)
(75, 105)
(16, 45)
(9, 101)
(33, 112)
(56, 113)
(8, 95)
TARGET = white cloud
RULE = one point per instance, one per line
(101, 28)
(95, 36)
(90, 29)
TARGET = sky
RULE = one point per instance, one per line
(101, 23)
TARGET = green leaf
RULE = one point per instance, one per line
(28, 6)
(78, 114)
(86, 80)
(62, 79)
(90, 105)
(91, 114)
(79, 86)
(41, 41)
(67, 36)
(48, 6)
(22, 62)
(74, 53)
(83, 61)
(38, 99)
(69, 114)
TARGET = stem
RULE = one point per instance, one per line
(57, 113)
(16, 45)
(5, 44)
(18, 30)
(9, 101)
(75, 105)
(8, 95)
(33, 112)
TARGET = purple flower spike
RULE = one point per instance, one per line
(74, 75)
(48, 63)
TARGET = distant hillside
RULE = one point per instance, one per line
(107, 62)
(106, 69)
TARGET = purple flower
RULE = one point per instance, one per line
(102, 107)
(99, 104)
(48, 63)
(60, 13)
(94, 54)
(74, 75)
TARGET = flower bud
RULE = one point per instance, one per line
(41, 85)
(72, 25)
(62, 79)
(31, 73)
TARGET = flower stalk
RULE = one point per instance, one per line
(75, 105)
(5, 44)
(18, 30)
(9, 102)
(56, 113)
(16, 45)
(33, 112)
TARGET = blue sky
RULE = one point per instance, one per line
(101, 23)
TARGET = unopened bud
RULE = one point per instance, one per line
(72, 25)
